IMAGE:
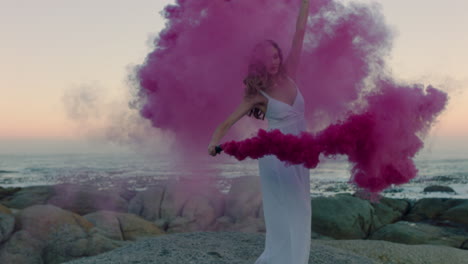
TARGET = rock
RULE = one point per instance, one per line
(134, 227)
(315, 235)
(342, 216)
(181, 224)
(107, 223)
(178, 194)
(41, 220)
(203, 211)
(438, 188)
(249, 225)
(430, 208)
(163, 224)
(21, 248)
(393, 253)
(83, 199)
(388, 211)
(244, 199)
(5, 192)
(176, 203)
(63, 235)
(223, 223)
(28, 196)
(147, 204)
(211, 247)
(457, 214)
(71, 243)
(4, 210)
(123, 226)
(420, 233)
(7, 224)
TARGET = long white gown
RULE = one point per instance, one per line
(285, 192)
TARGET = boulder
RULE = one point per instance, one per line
(5, 192)
(181, 224)
(457, 214)
(249, 225)
(438, 188)
(244, 199)
(4, 209)
(223, 223)
(7, 225)
(147, 204)
(123, 226)
(420, 233)
(28, 196)
(41, 220)
(342, 216)
(62, 235)
(430, 208)
(203, 211)
(388, 211)
(83, 199)
(21, 248)
(178, 193)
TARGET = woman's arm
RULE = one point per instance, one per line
(292, 61)
(243, 108)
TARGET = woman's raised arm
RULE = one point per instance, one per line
(292, 61)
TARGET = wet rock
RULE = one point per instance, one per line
(7, 224)
(6, 192)
(438, 188)
(342, 216)
(28, 196)
(457, 214)
(420, 233)
(388, 211)
(430, 208)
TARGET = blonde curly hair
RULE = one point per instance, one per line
(258, 76)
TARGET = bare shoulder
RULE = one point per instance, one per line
(243, 108)
(258, 101)
(255, 100)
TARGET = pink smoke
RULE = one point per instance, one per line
(380, 143)
(192, 80)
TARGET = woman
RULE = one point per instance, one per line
(271, 92)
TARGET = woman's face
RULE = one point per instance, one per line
(272, 60)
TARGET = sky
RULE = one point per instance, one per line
(51, 49)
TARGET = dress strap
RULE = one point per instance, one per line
(265, 94)
(291, 80)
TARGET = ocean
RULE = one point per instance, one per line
(138, 172)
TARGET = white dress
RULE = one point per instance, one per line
(285, 192)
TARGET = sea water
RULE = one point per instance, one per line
(138, 172)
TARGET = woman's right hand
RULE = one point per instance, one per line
(212, 149)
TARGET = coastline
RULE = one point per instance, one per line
(46, 222)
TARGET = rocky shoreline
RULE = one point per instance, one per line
(68, 222)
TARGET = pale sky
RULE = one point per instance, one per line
(49, 47)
